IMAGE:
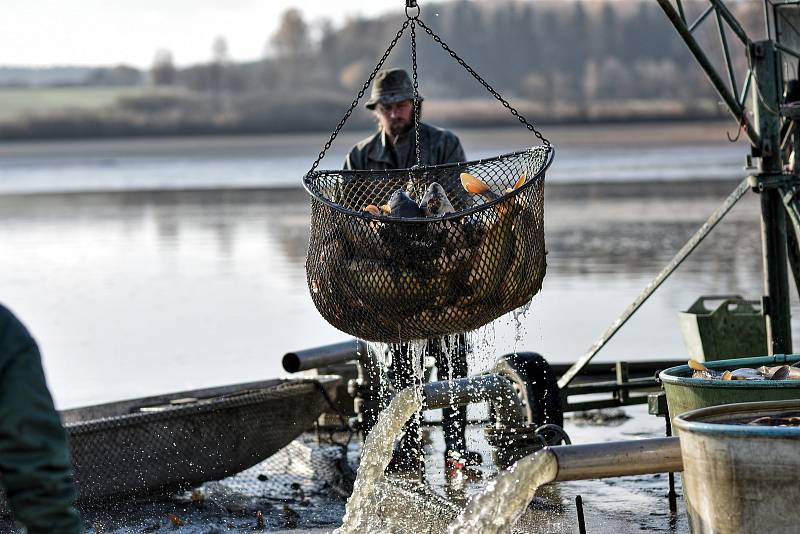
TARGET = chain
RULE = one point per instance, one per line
(483, 82)
(416, 89)
(412, 21)
(360, 95)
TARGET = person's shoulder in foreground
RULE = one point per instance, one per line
(35, 468)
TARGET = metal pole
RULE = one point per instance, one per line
(489, 387)
(766, 101)
(617, 458)
(673, 264)
(304, 360)
(733, 105)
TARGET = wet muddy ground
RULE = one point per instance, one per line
(299, 490)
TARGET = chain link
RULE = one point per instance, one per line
(483, 82)
(416, 89)
(360, 95)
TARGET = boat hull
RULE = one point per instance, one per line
(168, 442)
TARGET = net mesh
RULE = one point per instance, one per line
(384, 278)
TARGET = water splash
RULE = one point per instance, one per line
(496, 509)
(519, 329)
(375, 456)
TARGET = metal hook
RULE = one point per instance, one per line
(411, 4)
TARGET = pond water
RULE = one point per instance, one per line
(179, 263)
(148, 266)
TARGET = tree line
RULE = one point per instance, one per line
(582, 60)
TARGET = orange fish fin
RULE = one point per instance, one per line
(697, 366)
(473, 185)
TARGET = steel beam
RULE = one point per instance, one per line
(736, 109)
(766, 101)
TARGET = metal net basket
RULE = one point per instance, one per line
(384, 278)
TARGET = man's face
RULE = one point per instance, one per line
(395, 119)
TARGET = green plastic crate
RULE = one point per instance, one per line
(734, 329)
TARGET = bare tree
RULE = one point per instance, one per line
(163, 70)
(219, 50)
(291, 39)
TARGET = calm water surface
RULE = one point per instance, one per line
(133, 292)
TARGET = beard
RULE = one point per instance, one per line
(399, 127)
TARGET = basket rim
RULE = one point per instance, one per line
(420, 220)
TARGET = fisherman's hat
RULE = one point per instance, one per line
(391, 86)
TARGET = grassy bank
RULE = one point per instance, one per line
(94, 112)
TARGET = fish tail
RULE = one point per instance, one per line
(476, 186)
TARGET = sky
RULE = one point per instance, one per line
(103, 32)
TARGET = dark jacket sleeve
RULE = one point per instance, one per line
(35, 466)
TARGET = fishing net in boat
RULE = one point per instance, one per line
(382, 275)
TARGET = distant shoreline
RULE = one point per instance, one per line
(81, 128)
(297, 194)
(712, 130)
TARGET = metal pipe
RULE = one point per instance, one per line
(493, 388)
(617, 459)
(568, 462)
(303, 360)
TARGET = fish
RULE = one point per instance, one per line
(778, 372)
(477, 187)
(526, 273)
(500, 260)
(701, 371)
(792, 372)
(491, 261)
(376, 283)
(401, 205)
(519, 183)
(435, 202)
(746, 373)
(785, 419)
(782, 373)
(372, 209)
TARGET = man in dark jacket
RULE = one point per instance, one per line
(393, 147)
(35, 467)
